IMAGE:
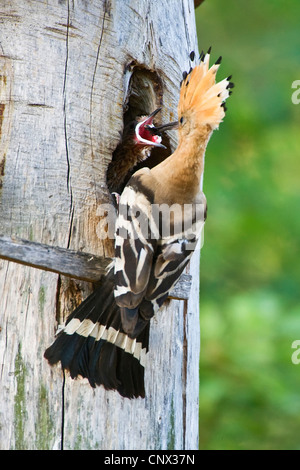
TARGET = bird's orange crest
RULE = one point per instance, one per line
(201, 98)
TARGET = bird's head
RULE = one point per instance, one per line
(146, 134)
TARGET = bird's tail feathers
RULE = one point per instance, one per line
(94, 345)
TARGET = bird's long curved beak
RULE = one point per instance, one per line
(166, 127)
(156, 129)
(148, 122)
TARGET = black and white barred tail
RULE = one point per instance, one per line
(94, 345)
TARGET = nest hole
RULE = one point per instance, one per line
(144, 94)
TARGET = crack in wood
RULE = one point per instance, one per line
(94, 74)
(64, 107)
(184, 373)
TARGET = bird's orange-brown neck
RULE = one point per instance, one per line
(181, 173)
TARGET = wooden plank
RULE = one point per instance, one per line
(69, 263)
(74, 264)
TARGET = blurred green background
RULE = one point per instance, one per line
(250, 269)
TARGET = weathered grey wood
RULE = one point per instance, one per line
(82, 266)
(63, 81)
(182, 289)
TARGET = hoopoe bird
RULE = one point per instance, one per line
(106, 338)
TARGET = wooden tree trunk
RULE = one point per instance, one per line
(65, 67)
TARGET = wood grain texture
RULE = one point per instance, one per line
(82, 266)
(63, 82)
(73, 264)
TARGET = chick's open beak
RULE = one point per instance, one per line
(149, 134)
(145, 135)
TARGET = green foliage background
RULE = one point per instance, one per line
(250, 270)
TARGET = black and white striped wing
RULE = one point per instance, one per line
(174, 251)
(133, 248)
(170, 263)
